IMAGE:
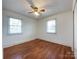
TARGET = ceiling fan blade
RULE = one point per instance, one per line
(32, 6)
(42, 10)
(30, 2)
(35, 9)
(30, 12)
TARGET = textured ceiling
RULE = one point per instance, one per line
(51, 6)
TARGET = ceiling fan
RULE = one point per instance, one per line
(36, 10)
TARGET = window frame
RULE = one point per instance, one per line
(55, 26)
(9, 26)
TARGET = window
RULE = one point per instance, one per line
(51, 26)
(14, 26)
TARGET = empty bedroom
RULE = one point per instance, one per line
(39, 29)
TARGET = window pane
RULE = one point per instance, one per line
(15, 21)
(14, 26)
(15, 29)
(51, 26)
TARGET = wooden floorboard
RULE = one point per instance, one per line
(38, 49)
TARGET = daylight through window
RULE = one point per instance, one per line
(51, 26)
(14, 26)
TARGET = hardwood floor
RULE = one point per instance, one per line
(38, 49)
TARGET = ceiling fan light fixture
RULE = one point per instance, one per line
(36, 13)
(36, 10)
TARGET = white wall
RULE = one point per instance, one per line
(75, 29)
(28, 29)
(37, 29)
(64, 27)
